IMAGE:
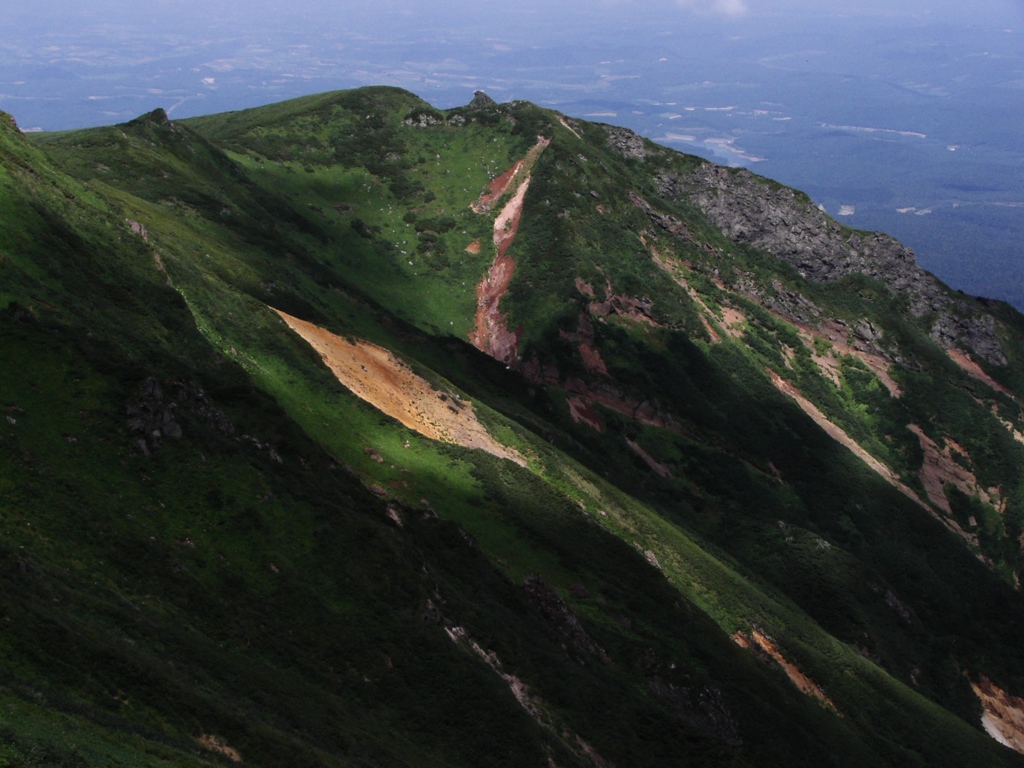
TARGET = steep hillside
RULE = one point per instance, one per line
(347, 431)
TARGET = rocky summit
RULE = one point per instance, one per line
(348, 431)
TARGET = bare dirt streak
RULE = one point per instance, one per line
(491, 334)
(373, 374)
(840, 436)
(495, 189)
(976, 371)
(499, 185)
(940, 468)
(758, 641)
(1009, 426)
(683, 283)
(830, 365)
(582, 412)
(1002, 714)
(565, 124)
(528, 700)
(659, 469)
(473, 247)
(217, 744)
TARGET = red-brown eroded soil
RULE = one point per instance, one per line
(495, 189)
(499, 185)
(375, 375)
(760, 642)
(940, 468)
(491, 333)
(582, 412)
(975, 370)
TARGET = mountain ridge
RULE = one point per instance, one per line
(678, 514)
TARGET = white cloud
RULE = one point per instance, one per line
(717, 7)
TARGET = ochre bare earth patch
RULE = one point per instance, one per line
(1002, 714)
(758, 641)
(473, 247)
(375, 375)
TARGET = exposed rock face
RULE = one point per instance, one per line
(154, 412)
(626, 143)
(481, 101)
(423, 120)
(558, 612)
(778, 220)
(702, 707)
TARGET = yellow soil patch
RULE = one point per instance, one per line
(1002, 714)
(758, 640)
(473, 247)
(375, 375)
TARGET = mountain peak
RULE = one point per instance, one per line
(482, 101)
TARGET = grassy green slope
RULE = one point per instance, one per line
(307, 221)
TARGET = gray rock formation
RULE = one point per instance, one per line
(626, 143)
(786, 224)
(481, 101)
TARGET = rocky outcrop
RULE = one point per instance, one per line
(155, 411)
(626, 143)
(423, 119)
(481, 101)
(560, 615)
(702, 707)
(787, 225)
